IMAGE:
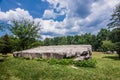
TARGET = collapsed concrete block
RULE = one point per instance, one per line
(58, 52)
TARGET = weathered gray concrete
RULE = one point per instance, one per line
(58, 52)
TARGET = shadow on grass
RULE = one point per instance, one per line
(112, 57)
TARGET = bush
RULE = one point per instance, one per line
(86, 63)
(65, 61)
(52, 61)
(107, 46)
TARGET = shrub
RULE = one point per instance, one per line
(52, 61)
(65, 61)
(86, 63)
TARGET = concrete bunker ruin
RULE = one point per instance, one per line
(80, 52)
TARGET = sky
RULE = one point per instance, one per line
(60, 17)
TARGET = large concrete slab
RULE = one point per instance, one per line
(58, 52)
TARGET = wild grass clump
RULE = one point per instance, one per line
(61, 62)
(40, 59)
(86, 63)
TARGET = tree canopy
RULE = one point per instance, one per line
(115, 18)
(26, 32)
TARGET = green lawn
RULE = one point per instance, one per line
(107, 68)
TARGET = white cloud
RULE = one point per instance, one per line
(59, 6)
(50, 26)
(46, 36)
(97, 16)
(49, 14)
(16, 14)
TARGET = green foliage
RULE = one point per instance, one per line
(40, 59)
(107, 46)
(117, 48)
(86, 38)
(115, 20)
(53, 61)
(26, 32)
(115, 23)
(86, 63)
(66, 61)
(5, 44)
(36, 44)
(115, 35)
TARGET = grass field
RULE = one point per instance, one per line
(107, 68)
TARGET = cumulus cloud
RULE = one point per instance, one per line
(16, 14)
(57, 7)
(81, 16)
(49, 14)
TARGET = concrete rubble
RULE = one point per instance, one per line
(80, 52)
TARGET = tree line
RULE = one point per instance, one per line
(103, 41)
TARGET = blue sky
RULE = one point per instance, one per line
(60, 17)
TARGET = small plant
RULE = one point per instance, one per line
(86, 63)
(65, 61)
(39, 59)
(52, 61)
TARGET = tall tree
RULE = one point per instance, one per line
(5, 44)
(115, 20)
(102, 35)
(26, 32)
(115, 23)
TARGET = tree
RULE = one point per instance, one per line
(115, 35)
(115, 20)
(63, 40)
(102, 35)
(107, 46)
(47, 42)
(5, 44)
(26, 32)
(115, 23)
